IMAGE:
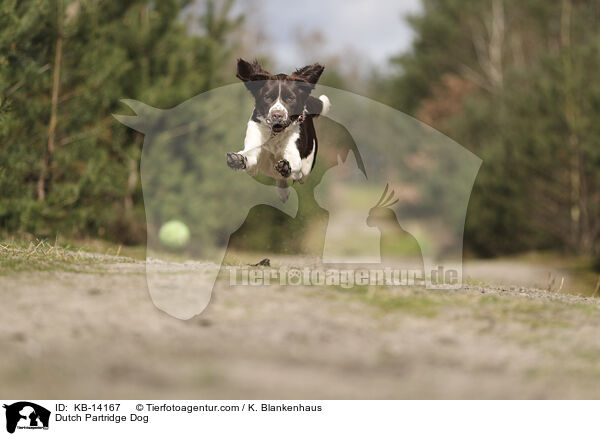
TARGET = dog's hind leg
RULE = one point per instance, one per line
(283, 190)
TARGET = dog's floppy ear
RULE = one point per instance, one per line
(248, 72)
(309, 73)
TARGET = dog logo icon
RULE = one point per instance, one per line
(26, 415)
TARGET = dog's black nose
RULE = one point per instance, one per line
(277, 117)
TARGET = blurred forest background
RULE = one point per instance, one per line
(513, 81)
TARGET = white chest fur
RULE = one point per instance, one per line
(263, 150)
(277, 144)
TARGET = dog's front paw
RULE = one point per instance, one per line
(236, 161)
(283, 167)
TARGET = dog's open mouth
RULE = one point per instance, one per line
(277, 128)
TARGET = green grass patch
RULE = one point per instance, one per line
(537, 314)
(534, 313)
(417, 305)
(41, 255)
(414, 302)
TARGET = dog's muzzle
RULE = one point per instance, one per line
(278, 121)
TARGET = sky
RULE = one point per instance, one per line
(373, 30)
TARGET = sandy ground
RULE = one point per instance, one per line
(95, 334)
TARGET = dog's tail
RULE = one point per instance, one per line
(326, 104)
(283, 190)
(318, 106)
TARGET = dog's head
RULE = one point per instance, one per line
(280, 98)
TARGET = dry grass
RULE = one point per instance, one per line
(41, 255)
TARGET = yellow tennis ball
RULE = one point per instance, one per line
(174, 234)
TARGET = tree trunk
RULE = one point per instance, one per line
(41, 184)
(131, 184)
(581, 238)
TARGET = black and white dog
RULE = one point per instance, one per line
(280, 140)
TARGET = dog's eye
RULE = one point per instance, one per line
(290, 98)
(268, 98)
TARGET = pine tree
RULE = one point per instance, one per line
(514, 81)
(66, 165)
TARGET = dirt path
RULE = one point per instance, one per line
(95, 334)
